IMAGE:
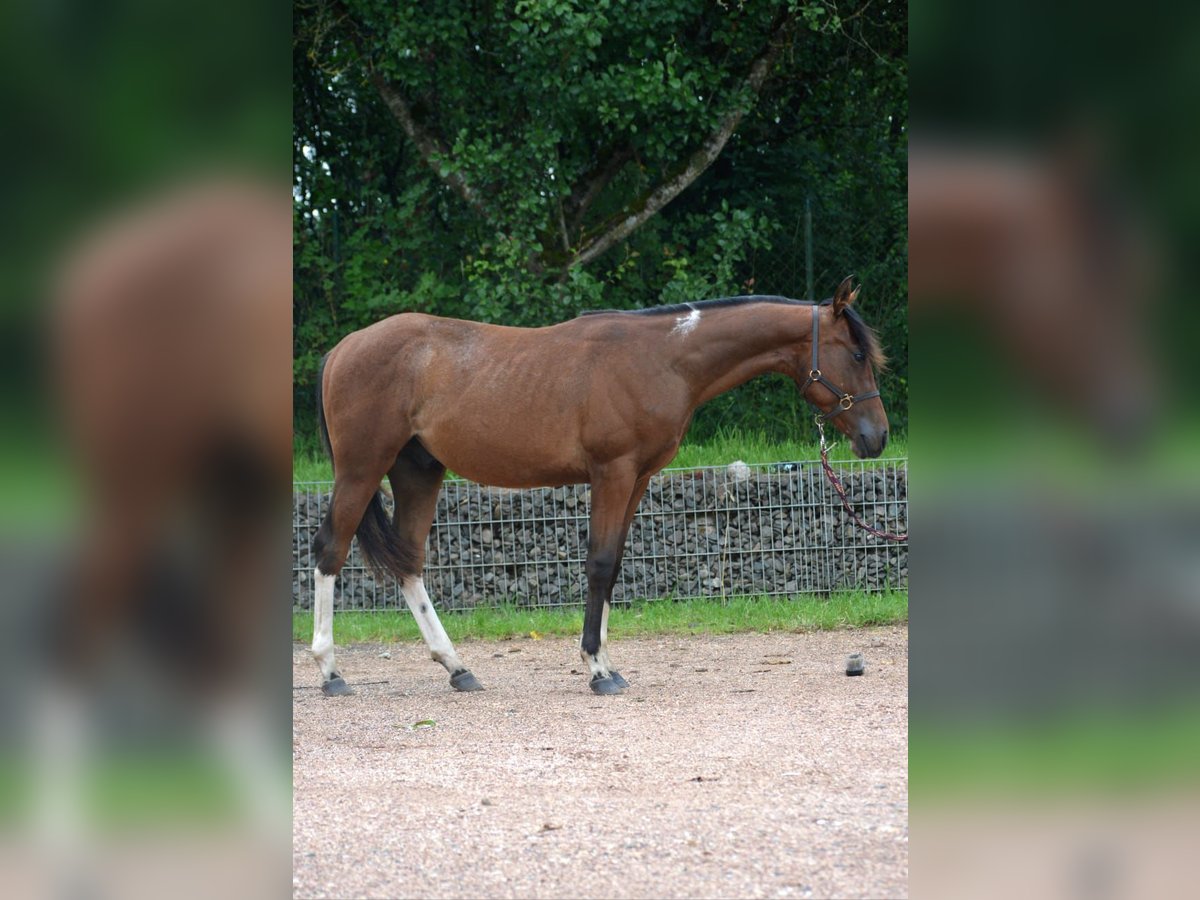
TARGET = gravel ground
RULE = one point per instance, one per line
(734, 766)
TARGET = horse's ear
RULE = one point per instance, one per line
(843, 296)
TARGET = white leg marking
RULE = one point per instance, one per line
(603, 654)
(685, 325)
(62, 745)
(598, 662)
(247, 745)
(322, 645)
(435, 635)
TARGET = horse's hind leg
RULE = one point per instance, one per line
(416, 479)
(330, 547)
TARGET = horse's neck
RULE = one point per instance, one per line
(727, 347)
(968, 216)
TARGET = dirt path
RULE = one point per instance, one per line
(734, 766)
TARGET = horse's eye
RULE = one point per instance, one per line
(860, 356)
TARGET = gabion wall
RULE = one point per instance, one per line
(711, 532)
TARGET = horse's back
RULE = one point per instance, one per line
(445, 349)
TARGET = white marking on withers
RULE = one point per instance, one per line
(435, 635)
(322, 645)
(685, 325)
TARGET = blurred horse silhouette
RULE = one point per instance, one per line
(1055, 268)
(171, 356)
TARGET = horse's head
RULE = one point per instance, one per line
(839, 375)
(1053, 265)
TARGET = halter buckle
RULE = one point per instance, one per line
(846, 401)
(814, 374)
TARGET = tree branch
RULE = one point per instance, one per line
(562, 225)
(596, 181)
(620, 226)
(433, 152)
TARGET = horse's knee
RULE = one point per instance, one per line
(329, 559)
(322, 647)
(599, 566)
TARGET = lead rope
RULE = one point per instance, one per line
(841, 491)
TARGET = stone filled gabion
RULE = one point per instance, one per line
(698, 533)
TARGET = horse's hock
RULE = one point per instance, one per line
(709, 532)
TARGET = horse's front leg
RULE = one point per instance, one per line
(614, 498)
(592, 647)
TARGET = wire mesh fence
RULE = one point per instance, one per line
(712, 532)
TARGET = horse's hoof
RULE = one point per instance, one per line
(336, 687)
(465, 681)
(607, 685)
(617, 678)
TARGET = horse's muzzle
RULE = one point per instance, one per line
(868, 445)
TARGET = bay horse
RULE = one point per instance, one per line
(168, 338)
(603, 399)
(1032, 246)
(169, 352)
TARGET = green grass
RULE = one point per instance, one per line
(739, 614)
(1078, 750)
(1010, 446)
(149, 788)
(755, 447)
(724, 448)
(307, 466)
(40, 489)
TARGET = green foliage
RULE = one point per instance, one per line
(721, 244)
(560, 119)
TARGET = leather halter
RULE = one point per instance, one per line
(845, 398)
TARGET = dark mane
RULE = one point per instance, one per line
(701, 305)
(862, 333)
(864, 336)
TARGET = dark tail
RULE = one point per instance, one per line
(386, 552)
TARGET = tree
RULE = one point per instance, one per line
(519, 164)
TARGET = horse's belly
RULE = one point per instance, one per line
(510, 454)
